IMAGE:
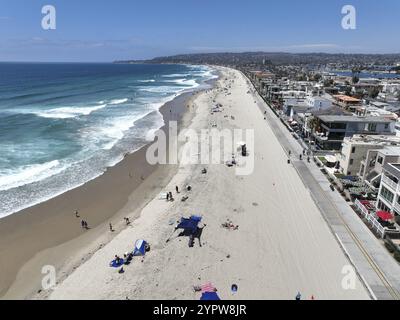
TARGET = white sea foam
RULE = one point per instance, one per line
(29, 174)
(67, 112)
(184, 82)
(160, 89)
(176, 75)
(118, 101)
(147, 81)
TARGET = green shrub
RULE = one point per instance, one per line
(397, 256)
(389, 247)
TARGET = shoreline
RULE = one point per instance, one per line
(48, 233)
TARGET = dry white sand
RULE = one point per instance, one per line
(283, 244)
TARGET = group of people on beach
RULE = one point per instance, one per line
(170, 196)
(84, 223)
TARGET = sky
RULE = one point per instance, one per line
(108, 30)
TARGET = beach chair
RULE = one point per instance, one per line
(163, 196)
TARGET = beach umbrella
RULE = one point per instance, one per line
(208, 287)
(210, 296)
(384, 215)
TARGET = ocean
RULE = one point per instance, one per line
(62, 125)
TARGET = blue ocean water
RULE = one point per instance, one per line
(62, 125)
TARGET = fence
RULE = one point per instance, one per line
(370, 218)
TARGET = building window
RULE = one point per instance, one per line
(382, 206)
(353, 149)
(380, 160)
(387, 195)
(351, 161)
(371, 127)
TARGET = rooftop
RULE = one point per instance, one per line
(393, 169)
(346, 98)
(385, 140)
(344, 118)
(390, 151)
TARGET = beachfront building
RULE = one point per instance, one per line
(389, 191)
(330, 130)
(347, 102)
(354, 150)
(371, 168)
(360, 153)
(372, 110)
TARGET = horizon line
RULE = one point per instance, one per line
(202, 53)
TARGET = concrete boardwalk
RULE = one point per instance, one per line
(376, 267)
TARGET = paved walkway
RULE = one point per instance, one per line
(376, 267)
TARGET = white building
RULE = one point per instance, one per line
(391, 87)
(389, 191)
(318, 103)
(355, 151)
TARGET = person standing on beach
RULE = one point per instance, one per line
(177, 189)
(83, 224)
(76, 214)
(111, 227)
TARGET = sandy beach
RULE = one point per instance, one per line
(282, 244)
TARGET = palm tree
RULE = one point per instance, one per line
(355, 79)
(313, 124)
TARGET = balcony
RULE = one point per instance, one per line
(397, 207)
(389, 182)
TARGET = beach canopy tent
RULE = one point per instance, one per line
(190, 224)
(140, 248)
(209, 296)
(384, 215)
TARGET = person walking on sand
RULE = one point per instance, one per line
(177, 189)
(83, 224)
(111, 227)
(76, 213)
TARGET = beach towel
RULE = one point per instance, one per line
(210, 296)
(208, 287)
(116, 264)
